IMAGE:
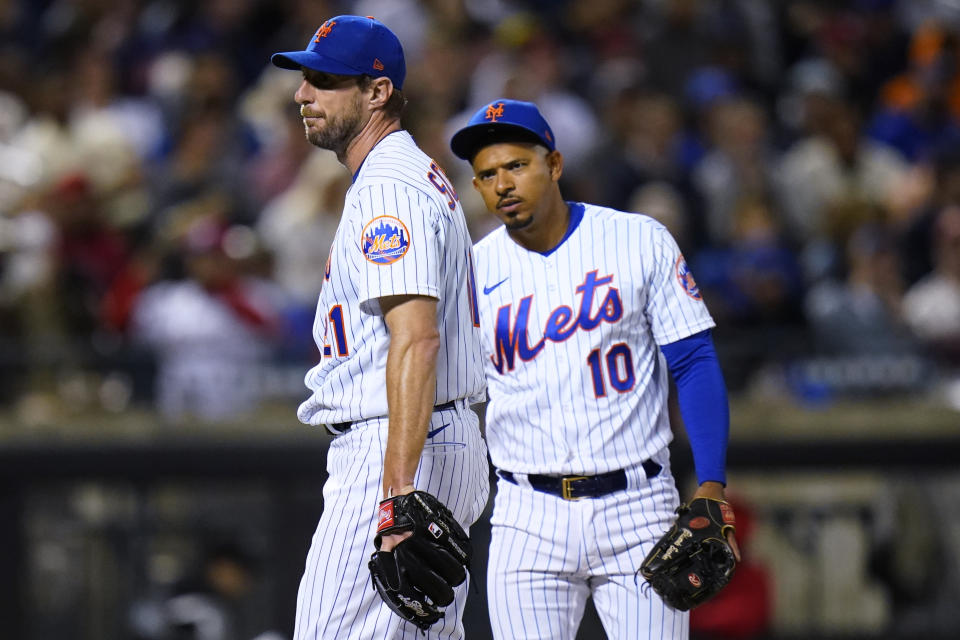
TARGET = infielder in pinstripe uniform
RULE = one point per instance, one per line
(397, 328)
(583, 311)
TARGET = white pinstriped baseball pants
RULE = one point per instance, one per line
(547, 555)
(336, 599)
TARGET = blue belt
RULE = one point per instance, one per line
(576, 487)
(339, 428)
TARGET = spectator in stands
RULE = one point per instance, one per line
(829, 184)
(89, 254)
(917, 110)
(932, 305)
(860, 314)
(806, 101)
(935, 186)
(754, 278)
(644, 146)
(211, 332)
(297, 227)
(737, 167)
(678, 42)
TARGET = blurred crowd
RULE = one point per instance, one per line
(164, 225)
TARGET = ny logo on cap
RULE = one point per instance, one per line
(494, 111)
(324, 30)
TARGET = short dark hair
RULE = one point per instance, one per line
(395, 103)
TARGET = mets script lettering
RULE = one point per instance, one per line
(560, 325)
(383, 243)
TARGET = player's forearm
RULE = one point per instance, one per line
(411, 389)
(702, 396)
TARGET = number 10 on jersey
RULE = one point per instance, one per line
(619, 369)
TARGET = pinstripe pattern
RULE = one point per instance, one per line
(402, 232)
(547, 555)
(562, 427)
(335, 599)
(578, 386)
(395, 182)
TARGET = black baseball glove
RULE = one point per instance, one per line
(417, 577)
(693, 560)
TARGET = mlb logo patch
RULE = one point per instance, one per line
(384, 240)
(435, 530)
(686, 279)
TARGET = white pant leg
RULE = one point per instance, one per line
(536, 587)
(623, 528)
(336, 600)
(454, 469)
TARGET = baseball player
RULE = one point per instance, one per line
(583, 310)
(397, 328)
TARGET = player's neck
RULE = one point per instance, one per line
(376, 129)
(547, 230)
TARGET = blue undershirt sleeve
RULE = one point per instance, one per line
(702, 395)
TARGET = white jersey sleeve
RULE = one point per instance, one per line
(674, 306)
(397, 243)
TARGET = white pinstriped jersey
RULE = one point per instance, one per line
(402, 232)
(576, 381)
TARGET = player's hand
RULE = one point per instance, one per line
(388, 542)
(694, 559)
(714, 491)
(417, 578)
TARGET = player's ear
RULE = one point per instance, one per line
(380, 91)
(555, 163)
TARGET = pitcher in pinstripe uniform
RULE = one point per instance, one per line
(583, 312)
(397, 328)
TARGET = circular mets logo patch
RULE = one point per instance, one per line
(384, 240)
(686, 279)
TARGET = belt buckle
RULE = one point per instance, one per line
(566, 488)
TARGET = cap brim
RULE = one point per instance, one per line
(294, 60)
(469, 140)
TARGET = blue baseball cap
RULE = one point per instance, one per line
(350, 46)
(502, 121)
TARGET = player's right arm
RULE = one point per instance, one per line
(399, 251)
(411, 385)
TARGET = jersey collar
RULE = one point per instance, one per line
(362, 162)
(576, 215)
